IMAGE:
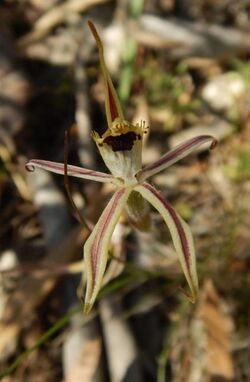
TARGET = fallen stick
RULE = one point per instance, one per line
(186, 38)
(53, 17)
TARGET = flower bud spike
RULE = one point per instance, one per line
(112, 104)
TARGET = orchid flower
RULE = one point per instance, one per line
(121, 149)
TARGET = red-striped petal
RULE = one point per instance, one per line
(180, 232)
(96, 247)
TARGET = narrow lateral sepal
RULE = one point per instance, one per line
(78, 172)
(174, 155)
(97, 245)
(180, 232)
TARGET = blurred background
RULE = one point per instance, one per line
(183, 67)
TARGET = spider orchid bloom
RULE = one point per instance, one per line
(121, 149)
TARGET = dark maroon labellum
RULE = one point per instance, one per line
(122, 142)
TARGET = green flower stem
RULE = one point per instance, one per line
(135, 8)
(126, 75)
